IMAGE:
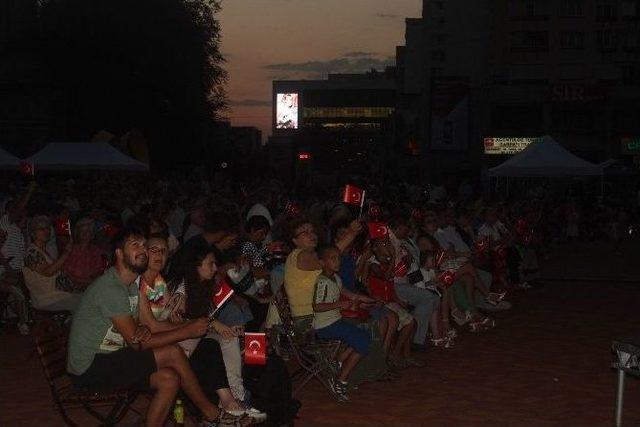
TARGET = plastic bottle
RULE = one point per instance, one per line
(178, 413)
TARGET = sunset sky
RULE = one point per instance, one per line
(265, 40)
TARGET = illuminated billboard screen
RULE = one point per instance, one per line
(506, 145)
(287, 111)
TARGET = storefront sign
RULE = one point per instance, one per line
(506, 145)
(630, 145)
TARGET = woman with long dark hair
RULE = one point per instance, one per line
(193, 299)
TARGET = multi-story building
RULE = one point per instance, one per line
(342, 124)
(472, 70)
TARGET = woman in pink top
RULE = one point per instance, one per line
(86, 261)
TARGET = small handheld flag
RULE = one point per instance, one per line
(27, 168)
(62, 227)
(378, 230)
(353, 195)
(222, 295)
(255, 349)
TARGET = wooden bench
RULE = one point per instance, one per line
(51, 345)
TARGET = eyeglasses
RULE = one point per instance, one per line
(308, 230)
(157, 250)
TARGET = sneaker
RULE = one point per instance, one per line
(256, 414)
(495, 298)
(501, 306)
(452, 333)
(23, 328)
(524, 285)
(339, 389)
(459, 317)
(414, 362)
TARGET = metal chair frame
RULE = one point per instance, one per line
(51, 345)
(313, 356)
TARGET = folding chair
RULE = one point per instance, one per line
(627, 353)
(51, 345)
(314, 357)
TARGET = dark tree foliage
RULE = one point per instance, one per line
(154, 65)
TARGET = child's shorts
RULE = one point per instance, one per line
(404, 317)
(358, 339)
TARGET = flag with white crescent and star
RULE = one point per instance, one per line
(255, 348)
(353, 195)
(222, 295)
(378, 230)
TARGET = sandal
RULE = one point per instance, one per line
(228, 419)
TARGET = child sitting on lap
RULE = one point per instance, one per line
(328, 322)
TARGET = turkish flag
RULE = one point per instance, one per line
(378, 230)
(27, 168)
(401, 269)
(255, 348)
(110, 230)
(353, 195)
(522, 226)
(292, 209)
(374, 211)
(381, 289)
(63, 227)
(447, 278)
(222, 295)
(482, 244)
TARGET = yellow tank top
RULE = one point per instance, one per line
(299, 285)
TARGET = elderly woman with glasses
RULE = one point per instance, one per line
(302, 267)
(86, 261)
(43, 274)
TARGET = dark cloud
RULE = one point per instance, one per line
(345, 64)
(251, 103)
(387, 15)
(358, 53)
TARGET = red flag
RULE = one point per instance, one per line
(522, 226)
(417, 214)
(223, 294)
(374, 211)
(353, 195)
(255, 348)
(482, 244)
(62, 227)
(447, 278)
(401, 269)
(382, 289)
(27, 168)
(378, 230)
(292, 209)
(110, 230)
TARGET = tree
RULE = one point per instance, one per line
(153, 65)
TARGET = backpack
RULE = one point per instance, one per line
(271, 389)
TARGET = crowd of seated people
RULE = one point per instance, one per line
(141, 259)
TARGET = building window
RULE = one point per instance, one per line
(437, 55)
(607, 39)
(571, 8)
(436, 72)
(605, 11)
(629, 9)
(438, 39)
(631, 41)
(528, 9)
(629, 72)
(439, 5)
(529, 41)
(572, 40)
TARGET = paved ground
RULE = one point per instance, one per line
(546, 364)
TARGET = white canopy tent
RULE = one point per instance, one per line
(545, 158)
(8, 161)
(84, 156)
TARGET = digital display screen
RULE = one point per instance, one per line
(506, 145)
(287, 111)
